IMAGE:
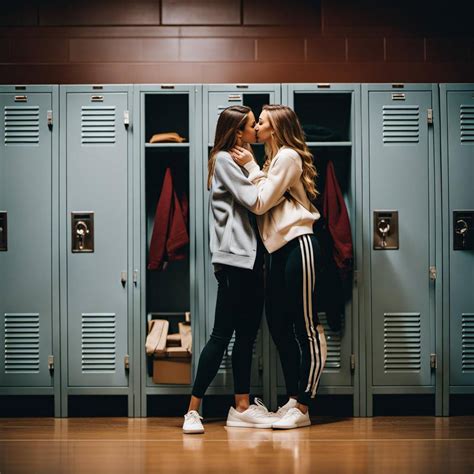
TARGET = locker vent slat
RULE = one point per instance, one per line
(98, 125)
(402, 342)
(21, 125)
(333, 341)
(467, 123)
(98, 342)
(468, 342)
(401, 124)
(226, 363)
(22, 339)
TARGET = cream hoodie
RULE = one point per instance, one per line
(280, 218)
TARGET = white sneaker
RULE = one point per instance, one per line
(256, 416)
(192, 423)
(282, 411)
(294, 418)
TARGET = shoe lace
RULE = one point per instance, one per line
(260, 409)
(193, 417)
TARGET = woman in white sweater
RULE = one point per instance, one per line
(285, 216)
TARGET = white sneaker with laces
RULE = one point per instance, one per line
(283, 410)
(256, 416)
(294, 418)
(192, 423)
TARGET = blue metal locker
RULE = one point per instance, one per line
(29, 298)
(457, 115)
(329, 115)
(215, 99)
(96, 250)
(401, 235)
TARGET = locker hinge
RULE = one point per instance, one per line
(433, 362)
(430, 116)
(353, 361)
(49, 118)
(126, 118)
(50, 363)
(260, 364)
(127, 362)
(433, 273)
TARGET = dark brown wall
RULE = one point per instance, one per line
(205, 41)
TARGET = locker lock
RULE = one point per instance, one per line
(385, 230)
(463, 230)
(82, 227)
(3, 232)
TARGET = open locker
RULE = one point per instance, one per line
(329, 116)
(165, 237)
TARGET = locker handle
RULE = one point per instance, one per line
(123, 278)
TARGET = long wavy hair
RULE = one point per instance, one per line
(231, 120)
(287, 131)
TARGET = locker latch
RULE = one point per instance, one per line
(82, 229)
(49, 118)
(353, 361)
(385, 236)
(433, 273)
(127, 362)
(433, 364)
(3, 231)
(126, 118)
(430, 116)
(135, 277)
(123, 278)
(50, 363)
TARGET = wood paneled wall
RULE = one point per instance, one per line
(204, 41)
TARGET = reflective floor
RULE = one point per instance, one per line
(331, 445)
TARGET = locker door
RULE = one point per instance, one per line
(97, 189)
(332, 109)
(401, 163)
(217, 101)
(460, 120)
(25, 240)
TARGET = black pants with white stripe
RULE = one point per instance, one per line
(292, 316)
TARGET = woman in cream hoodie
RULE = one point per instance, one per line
(285, 216)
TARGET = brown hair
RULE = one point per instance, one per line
(287, 131)
(231, 120)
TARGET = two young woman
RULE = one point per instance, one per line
(279, 195)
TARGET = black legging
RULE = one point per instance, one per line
(239, 307)
(292, 316)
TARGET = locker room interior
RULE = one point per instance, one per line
(148, 70)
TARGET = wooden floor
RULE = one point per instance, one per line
(121, 445)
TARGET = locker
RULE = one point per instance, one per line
(95, 156)
(457, 114)
(28, 244)
(215, 99)
(401, 230)
(167, 293)
(329, 115)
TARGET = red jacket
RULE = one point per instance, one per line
(170, 234)
(339, 226)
